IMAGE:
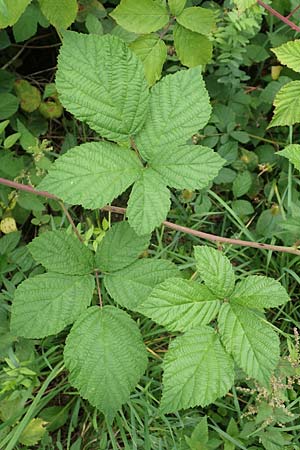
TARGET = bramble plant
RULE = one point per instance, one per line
(164, 108)
(105, 343)
(102, 82)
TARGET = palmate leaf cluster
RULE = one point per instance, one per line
(102, 82)
(199, 365)
(192, 27)
(104, 351)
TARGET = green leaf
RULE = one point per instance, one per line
(269, 222)
(33, 432)
(92, 174)
(131, 286)
(27, 139)
(289, 54)
(244, 4)
(26, 26)
(124, 35)
(60, 13)
(287, 105)
(200, 436)
(3, 125)
(215, 270)
(259, 292)
(153, 52)
(176, 6)
(9, 104)
(149, 202)
(93, 24)
(242, 183)
(11, 11)
(120, 247)
(173, 117)
(200, 20)
(180, 305)
(11, 140)
(60, 252)
(99, 89)
(251, 341)
(274, 439)
(33, 203)
(197, 370)
(106, 357)
(292, 153)
(192, 48)
(187, 166)
(9, 242)
(55, 416)
(242, 208)
(143, 16)
(47, 303)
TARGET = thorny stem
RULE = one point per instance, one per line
(280, 16)
(173, 226)
(32, 190)
(26, 188)
(215, 238)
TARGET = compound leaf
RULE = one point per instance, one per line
(10, 11)
(197, 370)
(192, 48)
(60, 13)
(153, 52)
(92, 174)
(287, 105)
(176, 6)
(252, 342)
(187, 166)
(173, 118)
(106, 357)
(149, 202)
(195, 18)
(180, 305)
(102, 82)
(120, 247)
(289, 54)
(259, 292)
(131, 286)
(292, 153)
(215, 270)
(143, 16)
(60, 252)
(47, 303)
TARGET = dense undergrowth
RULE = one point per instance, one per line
(255, 197)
